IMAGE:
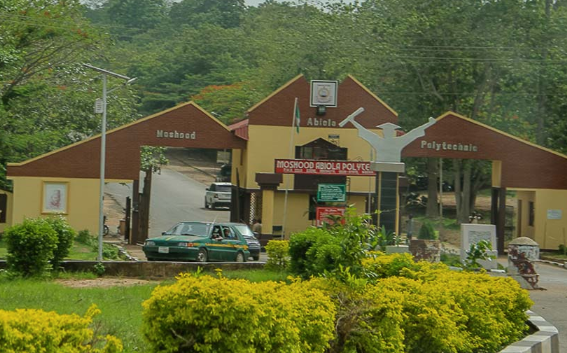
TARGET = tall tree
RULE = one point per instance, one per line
(196, 13)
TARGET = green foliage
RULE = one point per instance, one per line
(312, 252)
(227, 103)
(271, 317)
(384, 238)
(278, 255)
(422, 307)
(31, 330)
(65, 237)
(99, 269)
(152, 158)
(109, 251)
(85, 237)
(478, 251)
(563, 249)
(30, 245)
(345, 243)
(427, 231)
(378, 265)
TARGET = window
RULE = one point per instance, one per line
(531, 215)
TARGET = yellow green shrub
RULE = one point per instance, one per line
(433, 321)
(31, 330)
(422, 307)
(207, 314)
(278, 255)
(368, 318)
(495, 307)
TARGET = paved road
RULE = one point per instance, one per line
(174, 198)
(552, 302)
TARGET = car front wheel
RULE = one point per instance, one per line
(256, 258)
(239, 257)
(202, 256)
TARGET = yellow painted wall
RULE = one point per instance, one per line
(82, 202)
(267, 143)
(9, 210)
(549, 233)
(525, 197)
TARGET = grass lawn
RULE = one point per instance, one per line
(3, 251)
(121, 306)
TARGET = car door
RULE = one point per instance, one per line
(230, 244)
(215, 246)
(209, 194)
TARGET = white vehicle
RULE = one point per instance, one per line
(218, 195)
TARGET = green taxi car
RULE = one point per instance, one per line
(198, 241)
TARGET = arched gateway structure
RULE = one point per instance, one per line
(288, 201)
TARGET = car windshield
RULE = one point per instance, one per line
(188, 228)
(223, 188)
(245, 231)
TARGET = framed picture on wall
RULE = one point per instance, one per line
(55, 196)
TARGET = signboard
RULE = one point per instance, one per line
(322, 214)
(474, 233)
(331, 192)
(554, 214)
(318, 167)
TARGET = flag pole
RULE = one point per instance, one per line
(294, 117)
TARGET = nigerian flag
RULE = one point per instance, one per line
(296, 117)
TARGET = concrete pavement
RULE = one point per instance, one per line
(551, 303)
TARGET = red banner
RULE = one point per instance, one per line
(308, 166)
(322, 214)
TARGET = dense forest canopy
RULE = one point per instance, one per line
(501, 62)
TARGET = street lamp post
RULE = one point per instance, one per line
(103, 148)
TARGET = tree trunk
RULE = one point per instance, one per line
(432, 209)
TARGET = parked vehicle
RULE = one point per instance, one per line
(218, 195)
(253, 244)
(199, 241)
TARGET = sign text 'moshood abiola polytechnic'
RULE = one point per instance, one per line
(306, 166)
(448, 146)
(176, 135)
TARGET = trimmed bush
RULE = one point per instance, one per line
(427, 231)
(206, 314)
(330, 250)
(31, 330)
(65, 236)
(85, 237)
(30, 247)
(424, 307)
(278, 255)
(313, 252)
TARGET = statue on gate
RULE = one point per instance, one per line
(388, 147)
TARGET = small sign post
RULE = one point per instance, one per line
(331, 193)
(323, 213)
